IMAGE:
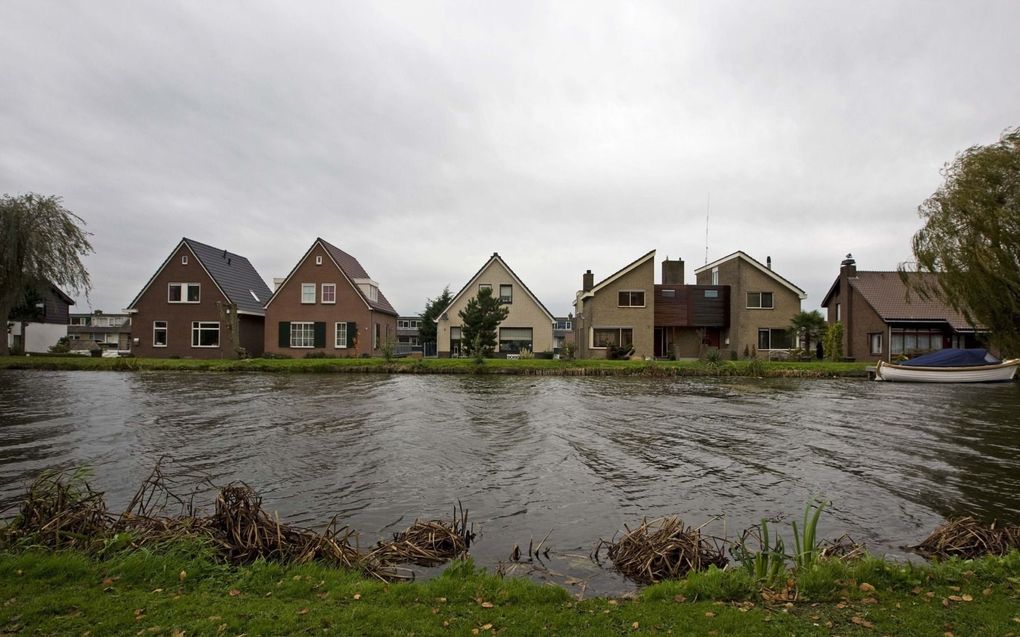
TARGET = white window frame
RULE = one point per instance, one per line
(166, 333)
(201, 326)
(318, 259)
(715, 276)
(760, 306)
(184, 259)
(311, 333)
(376, 336)
(336, 336)
(644, 298)
(871, 343)
(304, 290)
(322, 292)
(185, 288)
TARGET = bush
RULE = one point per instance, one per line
(274, 356)
(63, 346)
(318, 355)
(547, 356)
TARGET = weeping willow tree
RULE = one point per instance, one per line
(971, 238)
(41, 242)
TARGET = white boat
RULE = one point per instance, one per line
(950, 366)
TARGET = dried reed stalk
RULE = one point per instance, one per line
(968, 538)
(662, 549)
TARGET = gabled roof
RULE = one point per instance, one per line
(496, 258)
(349, 267)
(889, 296)
(740, 254)
(233, 275)
(648, 256)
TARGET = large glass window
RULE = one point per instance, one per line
(184, 293)
(759, 300)
(612, 336)
(328, 293)
(632, 298)
(308, 293)
(506, 293)
(513, 339)
(771, 338)
(159, 333)
(205, 334)
(875, 341)
(302, 334)
(455, 337)
(914, 341)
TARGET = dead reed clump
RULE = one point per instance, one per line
(428, 543)
(843, 548)
(60, 511)
(968, 538)
(662, 549)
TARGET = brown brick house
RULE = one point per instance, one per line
(883, 320)
(328, 304)
(762, 304)
(202, 302)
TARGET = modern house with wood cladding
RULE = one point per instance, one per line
(761, 304)
(529, 325)
(329, 304)
(884, 320)
(202, 302)
(666, 320)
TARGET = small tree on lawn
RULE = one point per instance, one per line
(808, 326)
(833, 343)
(479, 321)
(433, 307)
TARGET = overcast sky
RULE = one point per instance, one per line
(422, 137)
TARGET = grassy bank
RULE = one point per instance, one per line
(533, 367)
(183, 591)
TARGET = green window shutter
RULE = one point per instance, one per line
(320, 334)
(284, 334)
(352, 334)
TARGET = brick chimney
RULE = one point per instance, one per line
(848, 266)
(673, 272)
(587, 281)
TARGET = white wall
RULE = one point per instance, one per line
(40, 336)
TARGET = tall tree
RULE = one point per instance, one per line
(807, 326)
(427, 327)
(480, 319)
(41, 242)
(971, 238)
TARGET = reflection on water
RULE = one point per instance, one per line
(578, 456)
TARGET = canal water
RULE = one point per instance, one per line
(574, 458)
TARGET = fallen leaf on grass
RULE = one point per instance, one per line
(234, 592)
(709, 614)
(967, 598)
(486, 604)
(679, 599)
(303, 611)
(357, 596)
(177, 632)
(486, 626)
(860, 621)
(866, 587)
(634, 626)
(182, 575)
(986, 592)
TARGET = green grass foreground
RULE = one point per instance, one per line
(183, 591)
(531, 367)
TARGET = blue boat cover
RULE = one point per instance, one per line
(954, 358)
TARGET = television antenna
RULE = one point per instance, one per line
(708, 208)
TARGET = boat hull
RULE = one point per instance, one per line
(1002, 372)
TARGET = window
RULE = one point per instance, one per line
(340, 341)
(759, 300)
(612, 336)
(455, 337)
(184, 293)
(159, 333)
(773, 338)
(876, 343)
(838, 313)
(506, 293)
(375, 337)
(205, 334)
(632, 298)
(403, 325)
(308, 293)
(513, 339)
(711, 294)
(669, 294)
(329, 292)
(184, 259)
(715, 276)
(318, 259)
(484, 286)
(563, 324)
(914, 341)
(302, 334)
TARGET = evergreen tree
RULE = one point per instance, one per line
(427, 328)
(479, 321)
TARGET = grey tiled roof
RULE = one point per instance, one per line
(888, 295)
(235, 275)
(352, 268)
